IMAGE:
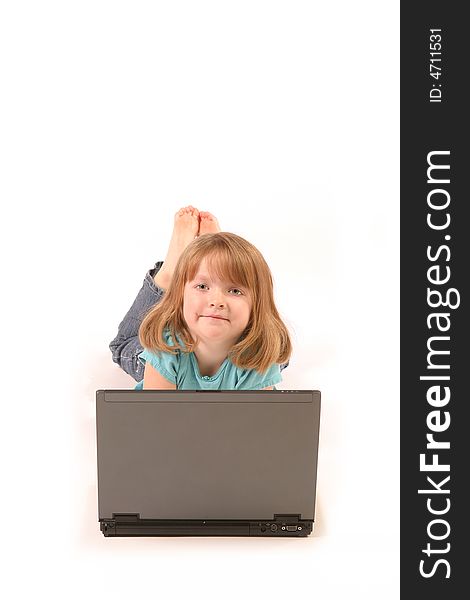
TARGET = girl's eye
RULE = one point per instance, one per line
(201, 285)
(236, 291)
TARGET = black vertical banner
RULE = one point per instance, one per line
(435, 335)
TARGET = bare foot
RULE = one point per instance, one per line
(208, 223)
(186, 228)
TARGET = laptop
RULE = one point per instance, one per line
(207, 463)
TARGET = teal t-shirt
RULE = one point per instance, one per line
(182, 369)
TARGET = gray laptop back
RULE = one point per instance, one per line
(207, 455)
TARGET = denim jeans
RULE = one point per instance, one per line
(126, 347)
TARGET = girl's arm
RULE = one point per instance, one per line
(153, 380)
(269, 388)
(126, 347)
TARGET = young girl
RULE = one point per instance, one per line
(216, 326)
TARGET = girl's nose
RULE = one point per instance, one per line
(217, 303)
(217, 299)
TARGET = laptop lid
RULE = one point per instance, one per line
(219, 455)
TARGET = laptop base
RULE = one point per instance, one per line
(132, 525)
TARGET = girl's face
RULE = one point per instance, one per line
(215, 310)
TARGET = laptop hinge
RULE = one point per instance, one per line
(290, 518)
(126, 517)
(109, 526)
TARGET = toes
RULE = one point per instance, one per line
(181, 212)
(208, 223)
(188, 210)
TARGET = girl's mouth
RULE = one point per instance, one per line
(214, 317)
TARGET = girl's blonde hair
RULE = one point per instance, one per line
(265, 339)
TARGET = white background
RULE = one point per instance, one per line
(281, 118)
